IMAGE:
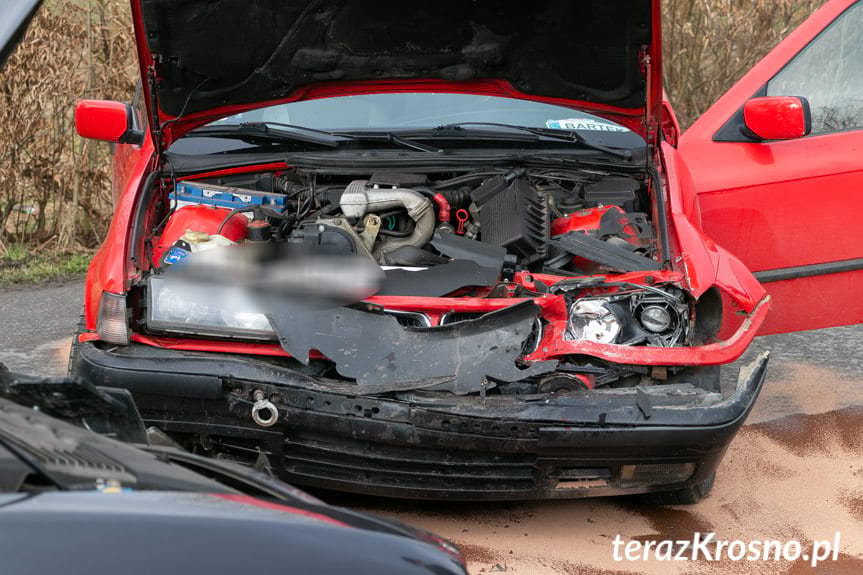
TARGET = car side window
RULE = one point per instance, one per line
(829, 73)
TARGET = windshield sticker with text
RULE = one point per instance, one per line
(585, 124)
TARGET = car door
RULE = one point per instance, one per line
(792, 210)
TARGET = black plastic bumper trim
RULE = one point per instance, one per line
(382, 446)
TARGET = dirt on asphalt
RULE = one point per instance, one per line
(794, 472)
(797, 477)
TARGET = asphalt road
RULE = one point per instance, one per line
(794, 472)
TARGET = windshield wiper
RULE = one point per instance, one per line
(274, 132)
(278, 132)
(563, 135)
(392, 138)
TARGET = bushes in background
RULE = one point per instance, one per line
(55, 191)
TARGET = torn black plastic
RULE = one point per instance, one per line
(110, 411)
(440, 280)
(603, 253)
(382, 356)
(461, 248)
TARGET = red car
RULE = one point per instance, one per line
(560, 271)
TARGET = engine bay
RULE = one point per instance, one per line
(506, 260)
(407, 219)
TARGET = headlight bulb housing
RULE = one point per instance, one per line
(593, 320)
(655, 318)
(648, 315)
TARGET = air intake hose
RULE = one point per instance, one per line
(358, 200)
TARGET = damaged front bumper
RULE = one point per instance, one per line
(318, 433)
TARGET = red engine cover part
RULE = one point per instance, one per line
(590, 220)
(205, 219)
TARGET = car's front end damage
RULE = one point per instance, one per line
(483, 293)
(415, 445)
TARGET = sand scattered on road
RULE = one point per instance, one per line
(793, 478)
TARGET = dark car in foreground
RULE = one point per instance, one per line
(74, 501)
(550, 313)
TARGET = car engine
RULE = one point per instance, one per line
(415, 220)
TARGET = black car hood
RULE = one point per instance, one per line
(14, 18)
(101, 533)
(154, 509)
(223, 55)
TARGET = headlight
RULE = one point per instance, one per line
(593, 320)
(195, 308)
(655, 318)
(649, 316)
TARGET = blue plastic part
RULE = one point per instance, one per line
(223, 197)
(174, 255)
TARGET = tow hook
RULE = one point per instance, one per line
(264, 411)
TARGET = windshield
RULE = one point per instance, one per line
(421, 110)
(395, 112)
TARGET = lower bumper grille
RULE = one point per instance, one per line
(319, 460)
(325, 461)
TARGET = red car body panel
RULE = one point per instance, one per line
(110, 269)
(785, 205)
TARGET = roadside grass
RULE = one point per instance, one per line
(21, 267)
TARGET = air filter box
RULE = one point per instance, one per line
(515, 216)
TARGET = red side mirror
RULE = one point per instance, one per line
(107, 121)
(778, 117)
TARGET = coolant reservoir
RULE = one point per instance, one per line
(193, 242)
(204, 219)
(202, 241)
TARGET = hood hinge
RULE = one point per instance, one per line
(649, 123)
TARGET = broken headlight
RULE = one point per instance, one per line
(593, 320)
(649, 316)
(195, 308)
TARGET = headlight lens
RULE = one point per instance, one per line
(194, 308)
(593, 320)
(655, 318)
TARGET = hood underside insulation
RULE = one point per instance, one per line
(212, 53)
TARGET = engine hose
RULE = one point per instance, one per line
(443, 214)
(458, 198)
(357, 200)
(422, 233)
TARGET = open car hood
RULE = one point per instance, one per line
(207, 60)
